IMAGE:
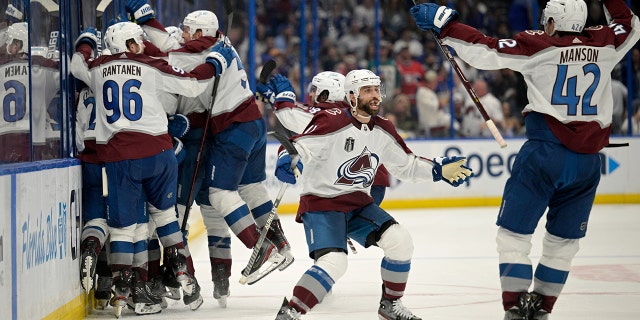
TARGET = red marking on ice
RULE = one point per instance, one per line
(610, 273)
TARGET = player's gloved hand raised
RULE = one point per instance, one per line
(284, 172)
(430, 16)
(178, 150)
(451, 170)
(282, 87)
(88, 36)
(265, 93)
(220, 57)
(178, 125)
(140, 10)
(13, 14)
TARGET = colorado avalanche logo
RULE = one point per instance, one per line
(360, 169)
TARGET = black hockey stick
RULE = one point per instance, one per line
(228, 8)
(467, 85)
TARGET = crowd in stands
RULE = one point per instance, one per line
(416, 75)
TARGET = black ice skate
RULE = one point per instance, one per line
(220, 283)
(88, 262)
(170, 282)
(276, 235)
(528, 308)
(102, 294)
(178, 264)
(144, 301)
(288, 313)
(393, 309)
(158, 289)
(264, 259)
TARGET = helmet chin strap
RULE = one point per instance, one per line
(355, 113)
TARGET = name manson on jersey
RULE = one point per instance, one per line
(122, 69)
(579, 55)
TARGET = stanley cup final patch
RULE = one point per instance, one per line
(348, 144)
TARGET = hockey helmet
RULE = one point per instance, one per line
(204, 20)
(117, 36)
(17, 32)
(356, 79)
(329, 81)
(568, 15)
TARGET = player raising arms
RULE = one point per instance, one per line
(567, 68)
(341, 150)
(133, 143)
(326, 91)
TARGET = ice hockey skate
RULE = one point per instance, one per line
(170, 282)
(277, 237)
(220, 284)
(194, 299)
(121, 291)
(266, 260)
(158, 289)
(102, 295)
(393, 309)
(528, 308)
(144, 301)
(288, 313)
(178, 264)
(89, 260)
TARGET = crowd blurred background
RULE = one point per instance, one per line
(423, 97)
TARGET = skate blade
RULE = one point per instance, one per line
(289, 259)
(173, 293)
(196, 304)
(274, 261)
(141, 308)
(117, 311)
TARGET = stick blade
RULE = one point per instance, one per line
(267, 69)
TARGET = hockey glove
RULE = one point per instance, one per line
(430, 16)
(13, 14)
(178, 150)
(178, 125)
(283, 88)
(220, 57)
(451, 170)
(265, 94)
(88, 36)
(284, 172)
(140, 10)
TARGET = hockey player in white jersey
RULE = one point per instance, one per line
(567, 69)
(341, 150)
(132, 141)
(326, 91)
(237, 132)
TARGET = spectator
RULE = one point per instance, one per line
(473, 125)
(411, 73)
(432, 118)
(402, 117)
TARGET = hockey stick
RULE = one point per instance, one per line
(214, 92)
(467, 85)
(102, 6)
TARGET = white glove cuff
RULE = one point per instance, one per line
(14, 12)
(220, 59)
(442, 16)
(286, 95)
(143, 11)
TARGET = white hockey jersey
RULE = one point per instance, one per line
(568, 77)
(341, 157)
(131, 121)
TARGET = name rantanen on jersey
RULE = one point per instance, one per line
(121, 69)
(579, 54)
